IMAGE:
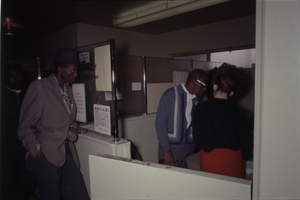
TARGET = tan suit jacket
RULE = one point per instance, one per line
(45, 120)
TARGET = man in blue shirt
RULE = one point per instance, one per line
(48, 130)
(174, 117)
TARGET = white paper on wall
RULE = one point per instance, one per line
(136, 86)
(103, 68)
(79, 97)
(85, 57)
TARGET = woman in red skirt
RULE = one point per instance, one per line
(220, 128)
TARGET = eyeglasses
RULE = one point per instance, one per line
(201, 82)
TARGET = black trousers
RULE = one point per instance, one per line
(56, 183)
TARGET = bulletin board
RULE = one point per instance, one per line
(130, 74)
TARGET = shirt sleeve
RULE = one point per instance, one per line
(30, 114)
(161, 122)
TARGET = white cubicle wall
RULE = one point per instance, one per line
(120, 178)
(140, 130)
(91, 143)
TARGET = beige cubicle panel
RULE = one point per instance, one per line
(120, 178)
(154, 92)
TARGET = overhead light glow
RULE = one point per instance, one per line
(138, 7)
(162, 11)
(8, 23)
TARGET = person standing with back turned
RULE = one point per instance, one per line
(48, 129)
(220, 128)
(174, 117)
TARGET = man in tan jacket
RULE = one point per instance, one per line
(48, 129)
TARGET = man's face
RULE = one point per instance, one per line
(69, 73)
(200, 88)
(14, 80)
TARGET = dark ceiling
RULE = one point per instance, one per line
(33, 19)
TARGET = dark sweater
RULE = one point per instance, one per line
(10, 143)
(217, 123)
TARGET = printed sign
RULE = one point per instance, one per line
(102, 119)
(79, 97)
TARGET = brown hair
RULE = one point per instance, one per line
(228, 78)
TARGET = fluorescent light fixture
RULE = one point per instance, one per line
(165, 10)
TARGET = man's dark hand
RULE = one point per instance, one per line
(72, 134)
(169, 160)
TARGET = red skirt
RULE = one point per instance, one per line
(223, 161)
